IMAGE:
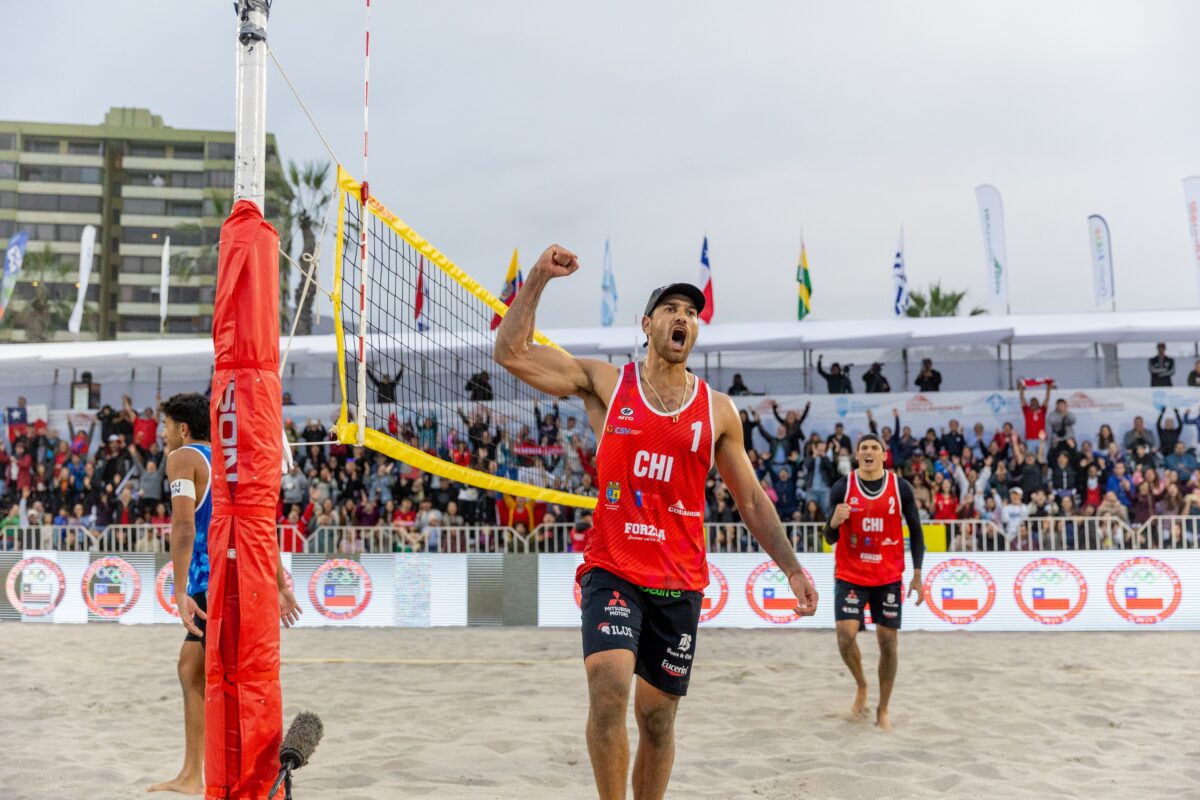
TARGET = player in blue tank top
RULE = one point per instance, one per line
(189, 472)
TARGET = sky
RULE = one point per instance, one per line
(526, 123)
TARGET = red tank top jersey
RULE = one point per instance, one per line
(648, 527)
(870, 545)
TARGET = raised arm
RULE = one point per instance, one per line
(1046, 402)
(546, 368)
(758, 513)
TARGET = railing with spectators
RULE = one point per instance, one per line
(1075, 533)
(1044, 533)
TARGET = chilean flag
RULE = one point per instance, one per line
(705, 283)
(1135, 603)
(1043, 603)
(419, 315)
(513, 281)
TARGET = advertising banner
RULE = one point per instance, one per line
(404, 590)
(995, 250)
(1096, 590)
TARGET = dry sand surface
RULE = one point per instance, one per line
(94, 711)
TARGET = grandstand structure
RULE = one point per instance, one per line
(776, 357)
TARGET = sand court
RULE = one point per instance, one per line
(498, 713)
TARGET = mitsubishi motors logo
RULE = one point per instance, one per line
(616, 606)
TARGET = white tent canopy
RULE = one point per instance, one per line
(903, 332)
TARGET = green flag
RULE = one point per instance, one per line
(804, 304)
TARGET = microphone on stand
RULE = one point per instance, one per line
(298, 745)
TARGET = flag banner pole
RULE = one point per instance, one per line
(87, 250)
(995, 251)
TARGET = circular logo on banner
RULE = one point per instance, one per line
(35, 586)
(716, 594)
(960, 591)
(111, 586)
(770, 595)
(1050, 591)
(1144, 590)
(164, 589)
(340, 589)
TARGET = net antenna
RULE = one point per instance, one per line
(364, 314)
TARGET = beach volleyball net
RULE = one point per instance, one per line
(415, 337)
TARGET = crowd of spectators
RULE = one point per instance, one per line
(1041, 486)
(1024, 482)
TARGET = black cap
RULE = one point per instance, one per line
(689, 291)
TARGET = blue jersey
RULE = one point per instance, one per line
(198, 569)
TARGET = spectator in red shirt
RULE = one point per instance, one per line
(406, 515)
(945, 504)
(20, 468)
(579, 533)
(461, 455)
(1035, 415)
(290, 538)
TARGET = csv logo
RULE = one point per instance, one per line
(653, 465)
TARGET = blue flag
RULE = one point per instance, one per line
(608, 290)
(14, 257)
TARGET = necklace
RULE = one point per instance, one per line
(675, 413)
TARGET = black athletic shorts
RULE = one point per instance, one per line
(658, 625)
(201, 599)
(850, 601)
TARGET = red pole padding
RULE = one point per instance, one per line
(243, 702)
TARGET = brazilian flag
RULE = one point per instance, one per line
(804, 287)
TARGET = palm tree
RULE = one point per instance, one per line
(307, 200)
(202, 261)
(46, 311)
(938, 303)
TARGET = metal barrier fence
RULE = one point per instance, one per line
(1036, 533)
(1105, 532)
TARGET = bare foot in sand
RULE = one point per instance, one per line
(881, 720)
(859, 709)
(181, 784)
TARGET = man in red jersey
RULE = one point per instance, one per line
(870, 508)
(660, 429)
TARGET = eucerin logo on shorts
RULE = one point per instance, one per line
(674, 669)
(645, 531)
(227, 430)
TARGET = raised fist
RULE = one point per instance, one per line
(841, 513)
(557, 261)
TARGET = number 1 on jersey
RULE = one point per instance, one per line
(696, 429)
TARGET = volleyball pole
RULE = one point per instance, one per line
(250, 123)
(243, 700)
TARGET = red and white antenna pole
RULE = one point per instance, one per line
(364, 262)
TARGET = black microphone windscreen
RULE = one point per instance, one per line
(302, 737)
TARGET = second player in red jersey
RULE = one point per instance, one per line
(870, 508)
(661, 430)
